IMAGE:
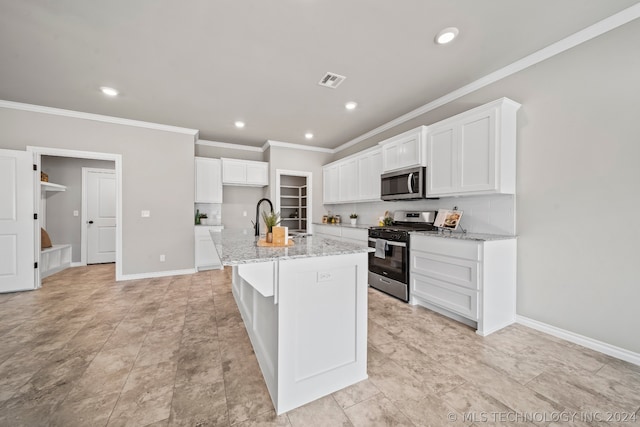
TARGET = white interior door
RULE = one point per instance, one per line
(16, 221)
(101, 215)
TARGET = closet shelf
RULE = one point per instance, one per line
(49, 186)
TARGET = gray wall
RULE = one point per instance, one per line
(62, 226)
(157, 175)
(578, 183)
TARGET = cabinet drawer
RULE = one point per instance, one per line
(447, 247)
(359, 234)
(461, 272)
(460, 300)
(331, 230)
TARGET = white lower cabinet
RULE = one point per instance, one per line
(469, 280)
(206, 254)
(347, 233)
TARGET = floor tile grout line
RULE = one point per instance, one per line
(175, 376)
(43, 365)
(215, 316)
(132, 365)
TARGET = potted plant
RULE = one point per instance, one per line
(203, 218)
(270, 219)
(354, 218)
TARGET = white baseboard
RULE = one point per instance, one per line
(602, 347)
(78, 264)
(155, 274)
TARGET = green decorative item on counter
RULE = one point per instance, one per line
(200, 217)
(271, 219)
(353, 216)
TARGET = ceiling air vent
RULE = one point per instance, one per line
(331, 80)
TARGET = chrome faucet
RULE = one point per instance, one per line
(256, 225)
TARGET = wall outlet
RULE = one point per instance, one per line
(76, 213)
(145, 214)
(324, 276)
(244, 213)
(162, 258)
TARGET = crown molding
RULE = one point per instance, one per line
(614, 21)
(281, 144)
(96, 117)
(229, 145)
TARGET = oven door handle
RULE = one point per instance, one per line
(391, 243)
(410, 182)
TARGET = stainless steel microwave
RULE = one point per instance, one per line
(405, 184)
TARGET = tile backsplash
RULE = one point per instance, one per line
(213, 211)
(493, 214)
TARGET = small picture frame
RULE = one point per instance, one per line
(448, 219)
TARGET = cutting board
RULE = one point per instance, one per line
(263, 243)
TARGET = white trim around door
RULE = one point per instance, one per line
(117, 158)
(304, 174)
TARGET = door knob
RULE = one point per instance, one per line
(89, 222)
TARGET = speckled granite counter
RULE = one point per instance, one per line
(238, 246)
(346, 225)
(462, 236)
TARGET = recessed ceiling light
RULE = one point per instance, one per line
(308, 135)
(350, 105)
(109, 91)
(447, 35)
(239, 124)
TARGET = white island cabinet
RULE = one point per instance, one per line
(305, 311)
(470, 280)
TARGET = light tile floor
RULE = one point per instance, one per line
(87, 351)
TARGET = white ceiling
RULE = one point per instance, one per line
(204, 64)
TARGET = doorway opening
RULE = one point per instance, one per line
(75, 168)
(294, 199)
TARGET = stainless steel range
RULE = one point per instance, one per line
(389, 264)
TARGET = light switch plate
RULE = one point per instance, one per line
(75, 213)
(145, 214)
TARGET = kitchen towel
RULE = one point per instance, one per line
(381, 248)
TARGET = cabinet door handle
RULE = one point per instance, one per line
(89, 222)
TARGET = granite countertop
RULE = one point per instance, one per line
(238, 246)
(479, 237)
(347, 225)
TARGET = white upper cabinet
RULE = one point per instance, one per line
(330, 182)
(353, 179)
(348, 178)
(208, 180)
(369, 171)
(405, 150)
(245, 172)
(473, 152)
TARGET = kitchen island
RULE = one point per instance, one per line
(305, 311)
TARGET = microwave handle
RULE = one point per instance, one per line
(410, 182)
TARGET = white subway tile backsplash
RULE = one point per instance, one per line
(493, 214)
